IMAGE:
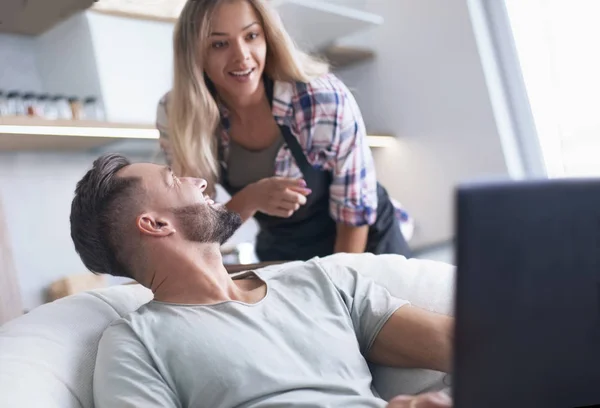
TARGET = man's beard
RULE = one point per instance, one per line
(205, 224)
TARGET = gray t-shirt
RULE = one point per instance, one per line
(302, 345)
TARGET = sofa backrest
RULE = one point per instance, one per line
(47, 356)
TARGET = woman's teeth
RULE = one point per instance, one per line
(242, 73)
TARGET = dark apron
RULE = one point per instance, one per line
(311, 231)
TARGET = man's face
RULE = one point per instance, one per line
(182, 201)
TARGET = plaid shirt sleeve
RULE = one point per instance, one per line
(332, 122)
(353, 192)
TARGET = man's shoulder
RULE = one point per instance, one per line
(314, 270)
(126, 327)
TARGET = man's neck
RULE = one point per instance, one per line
(192, 275)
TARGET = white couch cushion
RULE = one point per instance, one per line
(47, 356)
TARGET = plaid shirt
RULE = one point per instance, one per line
(325, 118)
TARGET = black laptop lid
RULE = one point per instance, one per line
(528, 294)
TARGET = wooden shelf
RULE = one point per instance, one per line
(343, 56)
(316, 24)
(34, 17)
(33, 134)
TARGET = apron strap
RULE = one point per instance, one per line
(296, 150)
(290, 140)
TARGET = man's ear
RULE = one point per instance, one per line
(154, 225)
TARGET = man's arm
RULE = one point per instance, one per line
(125, 376)
(414, 338)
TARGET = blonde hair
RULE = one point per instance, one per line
(194, 115)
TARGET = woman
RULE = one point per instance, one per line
(282, 135)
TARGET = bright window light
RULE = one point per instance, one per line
(557, 45)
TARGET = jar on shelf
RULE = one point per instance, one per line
(41, 101)
(63, 108)
(92, 109)
(30, 104)
(14, 101)
(3, 104)
(46, 107)
(76, 108)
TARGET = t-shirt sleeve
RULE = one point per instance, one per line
(125, 375)
(369, 304)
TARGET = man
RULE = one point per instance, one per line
(300, 334)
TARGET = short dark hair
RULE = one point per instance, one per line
(100, 210)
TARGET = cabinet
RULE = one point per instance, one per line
(33, 17)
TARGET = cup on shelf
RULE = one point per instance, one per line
(45, 107)
(3, 104)
(76, 108)
(92, 109)
(30, 104)
(14, 104)
(63, 108)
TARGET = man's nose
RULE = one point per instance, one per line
(198, 182)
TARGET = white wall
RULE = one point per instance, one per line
(134, 62)
(18, 66)
(427, 88)
(66, 61)
(356, 4)
(36, 192)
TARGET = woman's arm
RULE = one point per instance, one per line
(353, 190)
(351, 239)
(276, 196)
(241, 203)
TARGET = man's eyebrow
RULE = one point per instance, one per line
(243, 29)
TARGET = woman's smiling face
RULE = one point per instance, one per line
(236, 49)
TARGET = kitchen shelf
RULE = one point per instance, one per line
(315, 24)
(344, 56)
(33, 134)
(26, 134)
(34, 17)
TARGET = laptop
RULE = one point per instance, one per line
(527, 294)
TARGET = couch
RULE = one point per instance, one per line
(47, 356)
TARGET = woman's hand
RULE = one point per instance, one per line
(428, 400)
(278, 196)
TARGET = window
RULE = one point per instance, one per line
(558, 53)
